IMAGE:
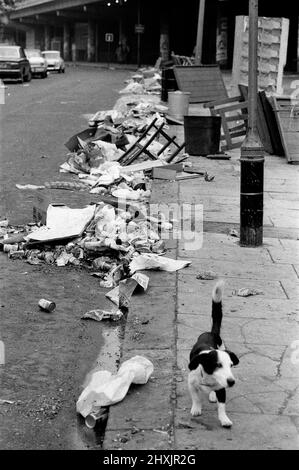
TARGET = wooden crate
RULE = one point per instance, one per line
(204, 82)
(287, 117)
(272, 52)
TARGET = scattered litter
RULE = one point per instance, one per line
(4, 223)
(105, 389)
(206, 275)
(234, 233)
(99, 315)
(134, 87)
(47, 305)
(98, 415)
(63, 222)
(6, 402)
(208, 178)
(153, 261)
(160, 431)
(245, 292)
(29, 186)
(218, 156)
(121, 295)
(67, 185)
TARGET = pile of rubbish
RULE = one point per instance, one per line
(114, 237)
(146, 80)
(118, 236)
(112, 242)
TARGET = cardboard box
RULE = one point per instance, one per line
(164, 173)
(40, 206)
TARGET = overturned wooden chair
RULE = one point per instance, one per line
(234, 116)
(143, 142)
(182, 59)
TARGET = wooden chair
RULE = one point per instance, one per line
(182, 59)
(143, 142)
(234, 117)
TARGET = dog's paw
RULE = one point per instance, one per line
(226, 422)
(195, 410)
(212, 397)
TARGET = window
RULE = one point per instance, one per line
(10, 52)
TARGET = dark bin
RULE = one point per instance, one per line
(168, 83)
(202, 134)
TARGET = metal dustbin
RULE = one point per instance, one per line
(202, 134)
(168, 83)
(178, 104)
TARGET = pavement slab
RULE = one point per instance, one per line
(262, 329)
(199, 289)
(249, 432)
(243, 330)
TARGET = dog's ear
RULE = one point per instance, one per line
(233, 357)
(194, 362)
(207, 360)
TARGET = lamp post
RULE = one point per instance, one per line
(252, 151)
(138, 37)
(199, 37)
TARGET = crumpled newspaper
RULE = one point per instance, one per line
(121, 294)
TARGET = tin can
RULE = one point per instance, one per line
(98, 263)
(47, 305)
(94, 416)
(139, 183)
(49, 257)
(16, 254)
(7, 248)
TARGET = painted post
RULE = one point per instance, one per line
(199, 37)
(138, 38)
(252, 151)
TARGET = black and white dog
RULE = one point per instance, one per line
(210, 364)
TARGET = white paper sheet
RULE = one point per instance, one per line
(152, 261)
(63, 222)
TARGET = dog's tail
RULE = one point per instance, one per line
(217, 308)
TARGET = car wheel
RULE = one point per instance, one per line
(44, 75)
(21, 79)
(28, 76)
(63, 70)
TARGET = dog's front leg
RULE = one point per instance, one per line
(195, 393)
(223, 418)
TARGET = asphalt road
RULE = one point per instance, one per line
(47, 356)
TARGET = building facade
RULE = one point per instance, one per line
(142, 29)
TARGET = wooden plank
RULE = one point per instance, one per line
(204, 82)
(261, 121)
(272, 125)
(289, 138)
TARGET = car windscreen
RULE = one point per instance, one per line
(51, 55)
(33, 53)
(9, 53)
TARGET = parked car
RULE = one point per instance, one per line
(14, 63)
(54, 60)
(38, 63)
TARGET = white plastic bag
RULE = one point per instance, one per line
(105, 389)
